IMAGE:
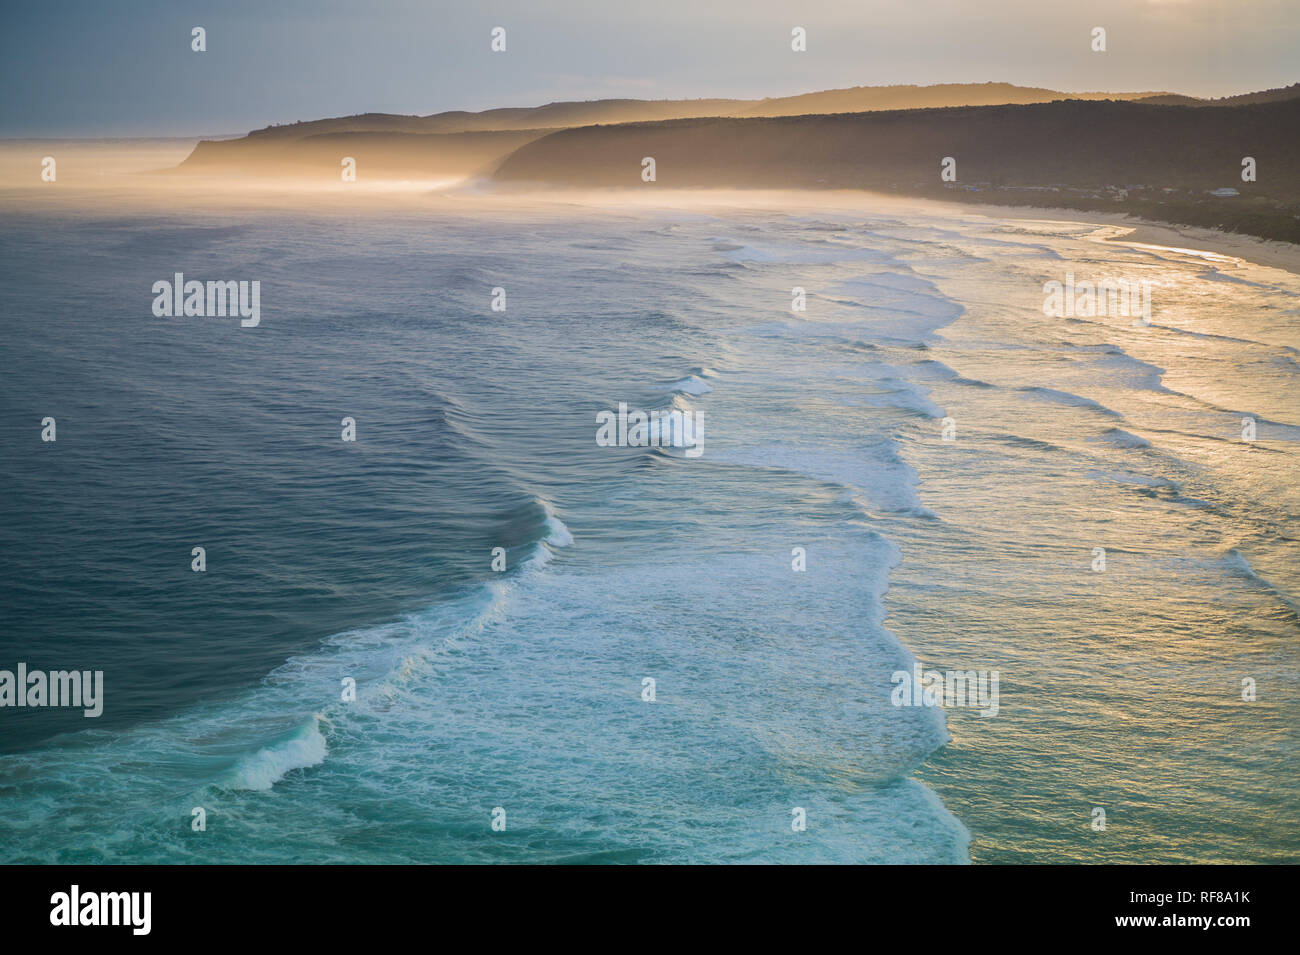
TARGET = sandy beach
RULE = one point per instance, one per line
(1277, 255)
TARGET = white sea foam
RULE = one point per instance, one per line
(557, 535)
(691, 385)
(266, 767)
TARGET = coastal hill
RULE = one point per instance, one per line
(1242, 99)
(383, 154)
(459, 143)
(1159, 155)
(1160, 161)
(1048, 144)
(857, 99)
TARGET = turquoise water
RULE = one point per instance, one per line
(523, 690)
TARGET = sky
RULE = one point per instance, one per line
(105, 68)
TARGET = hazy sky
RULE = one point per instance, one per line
(125, 67)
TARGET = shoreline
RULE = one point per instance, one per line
(1265, 252)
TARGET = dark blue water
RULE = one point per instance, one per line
(197, 432)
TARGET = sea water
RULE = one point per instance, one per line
(917, 468)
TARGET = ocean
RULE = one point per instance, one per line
(687, 657)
